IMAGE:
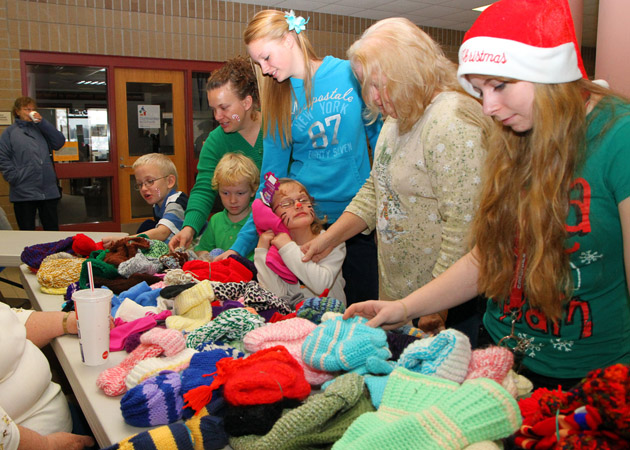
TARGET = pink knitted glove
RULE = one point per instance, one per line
(265, 219)
(153, 343)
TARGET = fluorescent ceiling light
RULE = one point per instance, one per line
(481, 8)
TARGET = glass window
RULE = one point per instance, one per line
(150, 118)
(203, 119)
(74, 98)
(85, 200)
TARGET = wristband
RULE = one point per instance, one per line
(64, 323)
(406, 310)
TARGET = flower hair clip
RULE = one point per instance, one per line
(296, 23)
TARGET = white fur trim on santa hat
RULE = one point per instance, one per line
(511, 59)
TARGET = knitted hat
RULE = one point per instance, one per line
(192, 308)
(33, 255)
(124, 249)
(347, 345)
(157, 401)
(152, 343)
(291, 334)
(230, 325)
(254, 295)
(201, 372)
(434, 413)
(140, 263)
(100, 269)
(84, 245)
(314, 308)
(151, 367)
(318, 423)
(445, 355)
(120, 284)
(58, 271)
(266, 377)
(492, 362)
(226, 270)
(529, 40)
(174, 290)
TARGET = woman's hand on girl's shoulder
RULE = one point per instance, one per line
(316, 249)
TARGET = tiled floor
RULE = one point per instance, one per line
(13, 296)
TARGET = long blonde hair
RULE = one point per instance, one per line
(277, 98)
(525, 198)
(410, 66)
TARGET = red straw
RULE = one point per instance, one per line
(90, 275)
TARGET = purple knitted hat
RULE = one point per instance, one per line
(34, 255)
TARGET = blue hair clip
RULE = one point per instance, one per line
(296, 23)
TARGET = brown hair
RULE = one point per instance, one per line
(239, 74)
(277, 98)
(20, 103)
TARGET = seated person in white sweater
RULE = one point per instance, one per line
(294, 206)
(34, 411)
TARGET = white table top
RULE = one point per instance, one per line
(12, 242)
(102, 412)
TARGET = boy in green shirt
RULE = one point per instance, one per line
(236, 179)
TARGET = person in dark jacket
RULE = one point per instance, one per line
(26, 164)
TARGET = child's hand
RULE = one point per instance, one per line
(264, 241)
(203, 255)
(280, 240)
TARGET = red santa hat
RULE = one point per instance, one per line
(529, 40)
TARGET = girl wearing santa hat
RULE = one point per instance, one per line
(552, 233)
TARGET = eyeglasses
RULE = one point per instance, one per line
(147, 183)
(289, 202)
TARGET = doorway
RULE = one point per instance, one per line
(150, 118)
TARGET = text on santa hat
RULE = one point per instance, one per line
(483, 56)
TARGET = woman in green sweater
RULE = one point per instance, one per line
(233, 96)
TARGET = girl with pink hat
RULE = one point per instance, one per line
(552, 233)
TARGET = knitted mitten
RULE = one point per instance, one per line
(445, 355)
(157, 401)
(192, 307)
(151, 367)
(153, 343)
(347, 345)
(478, 410)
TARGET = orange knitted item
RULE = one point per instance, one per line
(268, 376)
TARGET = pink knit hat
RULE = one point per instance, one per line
(492, 362)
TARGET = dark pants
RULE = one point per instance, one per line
(360, 269)
(467, 318)
(47, 209)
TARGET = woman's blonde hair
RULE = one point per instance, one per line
(277, 98)
(318, 224)
(407, 64)
(235, 168)
(525, 197)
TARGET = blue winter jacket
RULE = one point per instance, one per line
(25, 160)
